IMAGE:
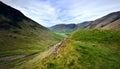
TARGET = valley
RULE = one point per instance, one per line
(26, 44)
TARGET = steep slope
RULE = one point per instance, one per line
(84, 25)
(108, 20)
(115, 25)
(85, 49)
(21, 35)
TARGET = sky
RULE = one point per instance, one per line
(52, 12)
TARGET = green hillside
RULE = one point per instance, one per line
(86, 49)
(21, 37)
(26, 42)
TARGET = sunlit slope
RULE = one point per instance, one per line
(115, 25)
(110, 21)
(86, 49)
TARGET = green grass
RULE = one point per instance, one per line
(17, 42)
(97, 35)
(11, 44)
(63, 32)
(86, 49)
(58, 36)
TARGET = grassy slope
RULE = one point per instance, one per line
(23, 42)
(86, 49)
(12, 44)
(21, 35)
(16, 44)
(29, 40)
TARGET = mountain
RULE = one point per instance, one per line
(83, 25)
(11, 18)
(64, 26)
(21, 38)
(20, 35)
(110, 21)
(65, 29)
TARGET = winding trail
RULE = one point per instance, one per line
(54, 50)
(45, 54)
(7, 58)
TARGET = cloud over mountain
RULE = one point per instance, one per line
(51, 12)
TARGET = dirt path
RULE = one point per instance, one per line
(45, 54)
(7, 58)
(54, 50)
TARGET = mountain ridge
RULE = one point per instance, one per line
(109, 19)
(105, 20)
(17, 32)
(13, 16)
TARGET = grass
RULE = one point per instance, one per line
(27, 40)
(11, 44)
(86, 49)
(24, 43)
(63, 32)
(23, 37)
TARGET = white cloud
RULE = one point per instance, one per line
(51, 12)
